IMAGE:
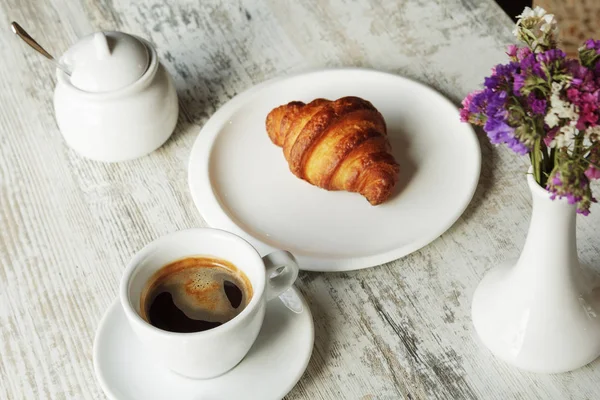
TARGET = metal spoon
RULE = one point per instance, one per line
(20, 32)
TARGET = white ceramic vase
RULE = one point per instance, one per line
(541, 313)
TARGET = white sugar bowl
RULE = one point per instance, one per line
(119, 102)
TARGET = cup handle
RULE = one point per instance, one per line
(281, 270)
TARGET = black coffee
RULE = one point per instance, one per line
(195, 294)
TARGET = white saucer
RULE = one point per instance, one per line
(273, 366)
(241, 182)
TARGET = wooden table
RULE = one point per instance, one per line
(68, 225)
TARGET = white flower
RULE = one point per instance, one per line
(564, 112)
(591, 135)
(566, 134)
(559, 109)
(551, 119)
(529, 13)
(549, 23)
(536, 28)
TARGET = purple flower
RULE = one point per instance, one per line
(505, 71)
(592, 172)
(515, 145)
(498, 131)
(551, 55)
(516, 97)
(495, 102)
(530, 63)
(573, 94)
(550, 135)
(502, 74)
(466, 103)
(522, 53)
(578, 71)
(537, 106)
(491, 82)
(587, 115)
(589, 44)
(584, 93)
(477, 103)
(497, 126)
(518, 83)
(556, 180)
(593, 44)
(572, 199)
(571, 183)
(583, 211)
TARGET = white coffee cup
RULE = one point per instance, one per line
(213, 352)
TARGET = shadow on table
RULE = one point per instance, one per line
(488, 152)
(486, 177)
(401, 151)
(198, 100)
(205, 78)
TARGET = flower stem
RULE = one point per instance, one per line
(536, 162)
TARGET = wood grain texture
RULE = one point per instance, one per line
(68, 226)
(576, 21)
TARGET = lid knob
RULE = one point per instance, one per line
(101, 44)
(106, 61)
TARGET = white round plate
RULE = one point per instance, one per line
(269, 371)
(241, 182)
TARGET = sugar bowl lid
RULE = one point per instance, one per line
(106, 61)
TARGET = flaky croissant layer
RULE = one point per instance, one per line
(336, 145)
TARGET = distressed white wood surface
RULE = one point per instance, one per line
(68, 226)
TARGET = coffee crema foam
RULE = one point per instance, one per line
(203, 288)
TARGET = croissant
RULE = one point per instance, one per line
(336, 145)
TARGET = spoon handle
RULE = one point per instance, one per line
(20, 32)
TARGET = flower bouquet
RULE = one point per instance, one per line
(542, 313)
(545, 105)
